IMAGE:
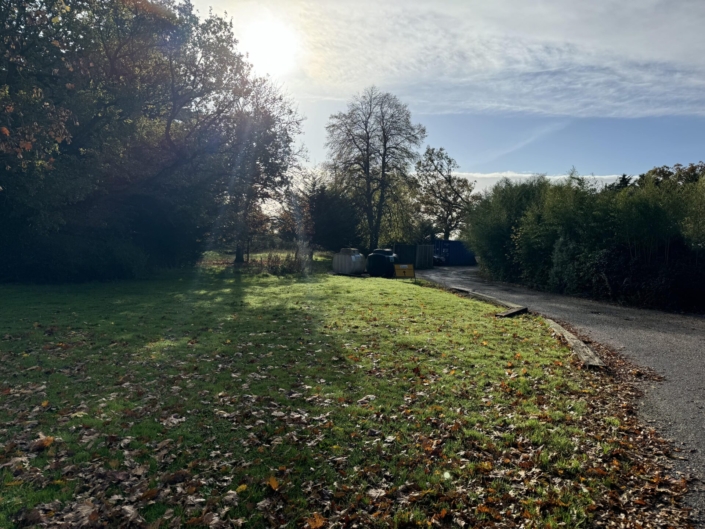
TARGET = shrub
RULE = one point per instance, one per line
(633, 242)
(275, 264)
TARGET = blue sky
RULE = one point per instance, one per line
(508, 86)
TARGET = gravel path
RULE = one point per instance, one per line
(671, 344)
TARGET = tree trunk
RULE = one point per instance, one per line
(370, 213)
(446, 234)
(371, 225)
(378, 220)
(239, 253)
(374, 241)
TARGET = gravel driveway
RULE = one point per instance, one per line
(671, 344)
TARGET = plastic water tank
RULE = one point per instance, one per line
(348, 262)
(380, 263)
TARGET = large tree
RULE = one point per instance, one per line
(129, 131)
(320, 214)
(372, 147)
(444, 197)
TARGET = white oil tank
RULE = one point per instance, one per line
(348, 262)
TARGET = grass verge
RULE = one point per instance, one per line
(221, 400)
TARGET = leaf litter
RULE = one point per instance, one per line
(325, 403)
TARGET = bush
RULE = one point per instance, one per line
(149, 236)
(275, 264)
(495, 218)
(634, 242)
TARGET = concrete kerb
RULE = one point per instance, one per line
(587, 356)
(580, 348)
(485, 297)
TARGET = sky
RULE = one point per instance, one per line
(508, 87)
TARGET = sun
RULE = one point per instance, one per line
(272, 46)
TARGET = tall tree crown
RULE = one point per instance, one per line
(372, 147)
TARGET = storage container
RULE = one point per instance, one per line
(424, 256)
(453, 253)
(380, 263)
(348, 262)
(419, 255)
(406, 253)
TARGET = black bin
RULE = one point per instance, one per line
(380, 263)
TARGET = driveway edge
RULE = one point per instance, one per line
(485, 297)
(580, 348)
(587, 356)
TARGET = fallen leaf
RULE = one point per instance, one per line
(366, 399)
(272, 482)
(375, 494)
(132, 515)
(41, 444)
(149, 495)
(230, 498)
(316, 521)
(177, 477)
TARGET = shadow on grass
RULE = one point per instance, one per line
(268, 399)
(112, 372)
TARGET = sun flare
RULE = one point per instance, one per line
(272, 46)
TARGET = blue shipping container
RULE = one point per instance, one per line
(454, 252)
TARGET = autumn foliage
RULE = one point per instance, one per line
(132, 134)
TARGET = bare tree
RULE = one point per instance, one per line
(372, 146)
(444, 198)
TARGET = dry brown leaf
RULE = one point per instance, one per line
(41, 444)
(177, 477)
(230, 498)
(132, 515)
(316, 521)
(149, 495)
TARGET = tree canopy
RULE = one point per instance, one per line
(444, 198)
(130, 133)
(372, 149)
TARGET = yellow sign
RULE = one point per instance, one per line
(404, 271)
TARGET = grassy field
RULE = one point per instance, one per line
(216, 399)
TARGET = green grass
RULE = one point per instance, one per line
(365, 401)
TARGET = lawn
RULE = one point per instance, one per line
(214, 399)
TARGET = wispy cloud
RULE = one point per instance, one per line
(491, 154)
(556, 57)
